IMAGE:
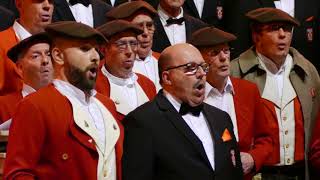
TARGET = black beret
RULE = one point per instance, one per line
(210, 36)
(72, 29)
(25, 44)
(127, 9)
(267, 15)
(117, 26)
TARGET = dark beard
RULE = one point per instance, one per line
(79, 79)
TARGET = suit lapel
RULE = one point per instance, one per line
(63, 10)
(193, 7)
(160, 38)
(97, 14)
(266, 3)
(188, 25)
(176, 119)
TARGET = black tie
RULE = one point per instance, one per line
(171, 21)
(84, 2)
(186, 108)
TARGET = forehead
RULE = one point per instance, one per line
(36, 1)
(124, 36)
(39, 47)
(188, 56)
(142, 17)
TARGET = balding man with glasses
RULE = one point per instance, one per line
(116, 79)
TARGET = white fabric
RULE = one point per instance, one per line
(26, 90)
(112, 2)
(82, 13)
(286, 6)
(279, 90)
(149, 68)
(88, 105)
(223, 101)
(176, 33)
(199, 126)
(20, 31)
(199, 5)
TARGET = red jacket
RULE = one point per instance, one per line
(10, 79)
(45, 142)
(103, 87)
(255, 135)
(314, 153)
(8, 105)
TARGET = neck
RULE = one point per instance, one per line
(217, 82)
(173, 12)
(32, 29)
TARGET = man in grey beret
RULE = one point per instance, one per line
(289, 86)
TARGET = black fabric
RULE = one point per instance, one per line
(7, 18)
(83, 2)
(186, 108)
(171, 21)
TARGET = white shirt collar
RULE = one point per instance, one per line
(172, 100)
(147, 59)
(68, 89)
(164, 15)
(270, 65)
(228, 88)
(26, 90)
(20, 31)
(119, 81)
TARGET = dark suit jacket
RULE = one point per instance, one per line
(307, 12)
(7, 18)
(62, 12)
(10, 5)
(159, 145)
(160, 38)
(117, 2)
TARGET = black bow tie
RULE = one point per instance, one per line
(186, 108)
(171, 21)
(84, 2)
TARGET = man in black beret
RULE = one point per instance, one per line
(239, 98)
(33, 60)
(67, 130)
(141, 14)
(115, 78)
(289, 86)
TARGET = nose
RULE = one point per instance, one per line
(47, 5)
(281, 33)
(45, 60)
(200, 73)
(95, 57)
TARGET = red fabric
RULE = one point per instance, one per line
(314, 154)
(255, 137)
(156, 55)
(270, 112)
(10, 80)
(103, 87)
(8, 105)
(47, 144)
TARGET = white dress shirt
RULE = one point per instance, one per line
(286, 6)
(279, 90)
(149, 68)
(199, 5)
(176, 33)
(88, 106)
(223, 101)
(82, 13)
(199, 126)
(26, 90)
(20, 31)
(112, 2)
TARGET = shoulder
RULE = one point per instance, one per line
(243, 84)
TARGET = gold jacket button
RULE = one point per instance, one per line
(65, 156)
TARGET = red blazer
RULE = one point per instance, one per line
(47, 144)
(10, 79)
(314, 153)
(255, 136)
(8, 105)
(103, 87)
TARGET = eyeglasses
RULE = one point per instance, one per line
(215, 52)
(123, 45)
(192, 68)
(276, 27)
(147, 24)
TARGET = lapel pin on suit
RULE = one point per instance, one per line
(226, 135)
(312, 92)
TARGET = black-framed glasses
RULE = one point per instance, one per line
(277, 26)
(191, 68)
(147, 24)
(123, 45)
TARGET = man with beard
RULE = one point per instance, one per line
(176, 135)
(239, 98)
(33, 61)
(289, 86)
(116, 79)
(67, 130)
(34, 16)
(141, 13)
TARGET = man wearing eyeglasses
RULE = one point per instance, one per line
(116, 79)
(141, 13)
(176, 135)
(289, 86)
(239, 98)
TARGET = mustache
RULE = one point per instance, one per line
(200, 82)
